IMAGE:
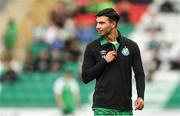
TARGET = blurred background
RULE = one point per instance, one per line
(43, 40)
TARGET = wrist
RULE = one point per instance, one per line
(105, 59)
(140, 98)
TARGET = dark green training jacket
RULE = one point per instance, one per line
(113, 80)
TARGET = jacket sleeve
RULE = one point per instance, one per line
(138, 71)
(90, 68)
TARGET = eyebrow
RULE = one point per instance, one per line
(100, 22)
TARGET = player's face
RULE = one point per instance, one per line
(103, 25)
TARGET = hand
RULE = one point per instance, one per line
(110, 56)
(139, 104)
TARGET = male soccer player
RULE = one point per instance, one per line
(110, 60)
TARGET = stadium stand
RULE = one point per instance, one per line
(155, 32)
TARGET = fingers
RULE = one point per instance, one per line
(110, 56)
(112, 53)
(139, 107)
(139, 104)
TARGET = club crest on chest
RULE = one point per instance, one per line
(125, 51)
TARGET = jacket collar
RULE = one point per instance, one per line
(104, 41)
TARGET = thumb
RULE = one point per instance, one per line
(136, 105)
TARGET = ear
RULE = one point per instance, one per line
(113, 24)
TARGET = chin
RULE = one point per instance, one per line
(101, 35)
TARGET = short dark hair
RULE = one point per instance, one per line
(110, 13)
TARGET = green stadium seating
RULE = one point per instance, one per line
(36, 90)
(174, 101)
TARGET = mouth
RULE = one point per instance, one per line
(99, 31)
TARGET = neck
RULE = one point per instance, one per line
(112, 36)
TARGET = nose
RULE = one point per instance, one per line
(97, 26)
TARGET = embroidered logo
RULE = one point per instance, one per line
(103, 53)
(125, 51)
